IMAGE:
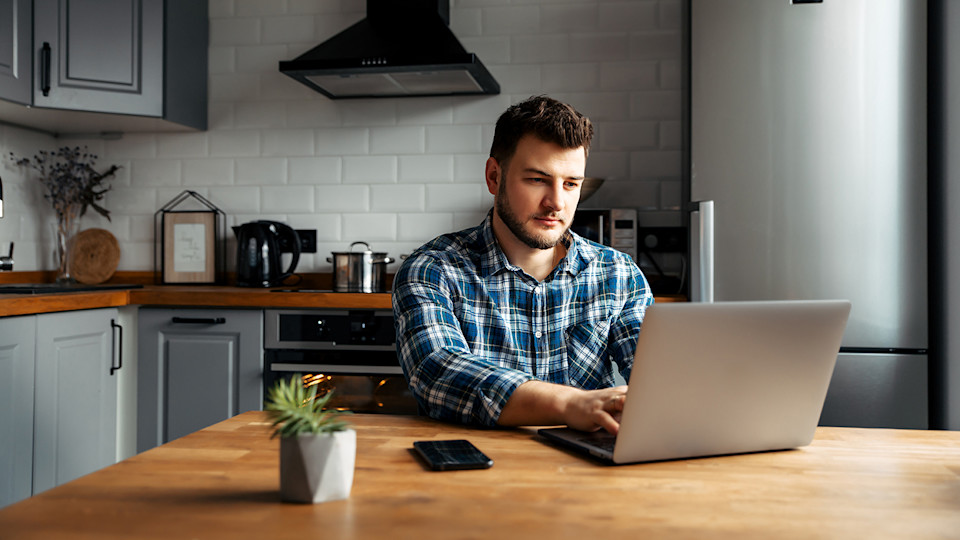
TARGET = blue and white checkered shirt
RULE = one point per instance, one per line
(471, 327)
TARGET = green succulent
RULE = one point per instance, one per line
(296, 410)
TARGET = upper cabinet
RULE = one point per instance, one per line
(15, 38)
(99, 55)
(143, 59)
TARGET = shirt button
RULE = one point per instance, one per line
(536, 290)
(538, 334)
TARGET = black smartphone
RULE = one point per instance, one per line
(452, 455)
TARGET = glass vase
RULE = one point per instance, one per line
(68, 224)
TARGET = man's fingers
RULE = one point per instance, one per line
(615, 403)
(597, 409)
(607, 422)
(609, 417)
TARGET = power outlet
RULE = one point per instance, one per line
(662, 239)
(308, 240)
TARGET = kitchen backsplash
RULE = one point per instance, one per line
(392, 172)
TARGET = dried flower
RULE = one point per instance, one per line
(69, 179)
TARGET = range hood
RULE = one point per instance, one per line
(403, 48)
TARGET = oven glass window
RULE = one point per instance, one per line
(364, 393)
(387, 394)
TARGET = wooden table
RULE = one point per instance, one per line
(222, 482)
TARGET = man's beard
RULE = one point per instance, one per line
(510, 219)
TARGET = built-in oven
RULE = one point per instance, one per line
(350, 351)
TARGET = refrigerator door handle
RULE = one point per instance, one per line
(701, 252)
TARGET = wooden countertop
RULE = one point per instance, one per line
(168, 295)
(192, 296)
(222, 482)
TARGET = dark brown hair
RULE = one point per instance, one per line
(546, 118)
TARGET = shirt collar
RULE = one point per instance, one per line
(580, 253)
(492, 259)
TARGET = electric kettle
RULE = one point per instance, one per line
(259, 244)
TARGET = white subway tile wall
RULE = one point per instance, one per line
(391, 172)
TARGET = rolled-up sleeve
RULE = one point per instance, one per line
(447, 379)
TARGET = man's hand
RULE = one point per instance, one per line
(590, 410)
(541, 403)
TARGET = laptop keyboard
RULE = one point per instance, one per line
(603, 442)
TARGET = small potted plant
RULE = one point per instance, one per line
(317, 448)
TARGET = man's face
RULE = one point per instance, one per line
(537, 193)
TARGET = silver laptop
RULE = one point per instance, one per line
(722, 378)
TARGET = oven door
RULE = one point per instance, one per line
(376, 386)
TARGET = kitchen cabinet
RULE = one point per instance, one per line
(196, 367)
(17, 344)
(58, 394)
(16, 35)
(132, 57)
(99, 55)
(75, 398)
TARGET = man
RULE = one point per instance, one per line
(519, 321)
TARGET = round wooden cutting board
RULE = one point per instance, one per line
(94, 256)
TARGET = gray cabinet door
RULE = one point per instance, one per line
(75, 405)
(196, 368)
(99, 55)
(16, 34)
(17, 341)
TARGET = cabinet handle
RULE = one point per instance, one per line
(117, 329)
(198, 320)
(45, 69)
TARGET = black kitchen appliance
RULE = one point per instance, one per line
(401, 49)
(351, 352)
(259, 245)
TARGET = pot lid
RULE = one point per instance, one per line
(367, 251)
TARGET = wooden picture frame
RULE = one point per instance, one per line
(189, 247)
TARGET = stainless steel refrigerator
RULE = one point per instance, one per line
(807, 175)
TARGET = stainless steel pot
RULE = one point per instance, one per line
(359, 271)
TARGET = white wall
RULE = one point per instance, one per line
(393, 172)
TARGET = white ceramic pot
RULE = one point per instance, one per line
(317, 468)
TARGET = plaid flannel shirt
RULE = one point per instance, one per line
(471, 327)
